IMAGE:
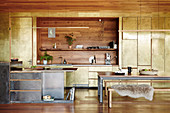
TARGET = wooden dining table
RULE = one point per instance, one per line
(111, 76)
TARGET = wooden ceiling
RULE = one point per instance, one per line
(146, 6)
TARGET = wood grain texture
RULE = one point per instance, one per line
(86, 101)
(130, 6)
(100, 33)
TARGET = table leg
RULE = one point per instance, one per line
(98, 86)
(101, 90)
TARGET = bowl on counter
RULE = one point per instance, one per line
(14, 59)
(148, 72)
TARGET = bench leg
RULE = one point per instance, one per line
(105, 84)
(109, 99)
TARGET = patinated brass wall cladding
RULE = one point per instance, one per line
(70, 79)
(167, 47)
(152, 47)
(144, 42)
(129, 43)
(21, 40)
(4, 37)
(79, 77)
(158, 23)
(129, 53)
(130, 24)
(93, 75)
(144, 48)
(158, 47)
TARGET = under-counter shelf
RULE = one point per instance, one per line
(25, 86)
(52, 49)
(25, 79)
(25, 90)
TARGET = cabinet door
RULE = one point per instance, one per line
(79, 78)
(93, 75)
(144, 42)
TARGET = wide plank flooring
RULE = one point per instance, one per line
(86, 101)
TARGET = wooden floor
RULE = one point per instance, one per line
(86, 101)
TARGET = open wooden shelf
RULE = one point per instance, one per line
(95, 40)
(51, 49)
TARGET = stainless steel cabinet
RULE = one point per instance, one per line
(25, 87)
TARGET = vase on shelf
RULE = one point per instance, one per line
(45, 62)
(70, 47)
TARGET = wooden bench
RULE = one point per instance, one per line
(110, 90)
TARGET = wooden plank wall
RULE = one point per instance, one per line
(129, 6)
(99, 33)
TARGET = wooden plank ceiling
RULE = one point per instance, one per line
(85, 5)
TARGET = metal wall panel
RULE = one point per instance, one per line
(158, 54)
(129, 55)
(4, 37)
(93, 75)
(143, 67)
(144, 42)
(167, 47)
(81, 75)
(78, 78)
(70, 79)
(158, 23)
(158, 44)
(21, 40)
(130, 24)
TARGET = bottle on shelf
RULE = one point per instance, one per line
(54, 46)
(65, 62)
(115, 46)
(94, 59)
